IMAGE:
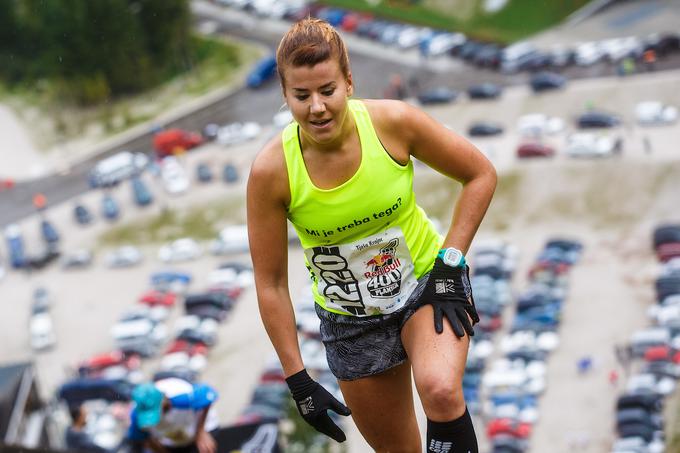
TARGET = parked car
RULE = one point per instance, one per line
(235, 133)
(49, 232)
(229, 173)
(184, 249)
(534, 149)
(15, 246)
(77, 259)
(584, 144)
(124, 256)
(439, 95)
(544, 81)
(172, 281)
(655, 113)
(174, 141)
(204, 173)
(140, 192)
(593, 120)
(442, 43)
(231, 239)
(484, 91)
(263, 71)
(114, 169)
(539, 124)
(45, 256)
(484, 129)
(110, 209)
(41, 331)
(175, 179)
(81, 214)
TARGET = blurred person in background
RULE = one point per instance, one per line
(77, 438)
(383, 279)
(173, 416)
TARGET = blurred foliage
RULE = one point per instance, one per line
(93, 50)
(516, 20)
(201, 222)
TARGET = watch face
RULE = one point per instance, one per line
(452, 257)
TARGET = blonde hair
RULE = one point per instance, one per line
(308, 42)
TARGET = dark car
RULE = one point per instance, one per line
(203, 173)
(81, 214)
(483, 129)
(43, 258)
(229, 173)
(110, 209)
(596, 120)
(533, 149)
(484, 91)
(48, 232)
(141, 193)
(263, 71)
(439, 95)
(488, 56)
(544, 81)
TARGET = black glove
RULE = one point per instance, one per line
(313, 401)
(449, 292)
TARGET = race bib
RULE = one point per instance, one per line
(372, 276)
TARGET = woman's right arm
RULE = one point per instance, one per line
(268, 195)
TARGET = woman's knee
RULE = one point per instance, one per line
(396, 446)
(442, 397)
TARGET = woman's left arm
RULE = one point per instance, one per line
(452, 155)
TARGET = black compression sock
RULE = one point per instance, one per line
(456, 436)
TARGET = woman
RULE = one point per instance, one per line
(383, 278)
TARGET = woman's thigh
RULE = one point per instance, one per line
(382, 408)
(438, 362)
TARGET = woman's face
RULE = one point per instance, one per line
(317, 98)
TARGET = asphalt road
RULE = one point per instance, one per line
(372, 66)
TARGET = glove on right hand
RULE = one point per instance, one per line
(313, 401)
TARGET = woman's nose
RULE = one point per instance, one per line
(317, 105)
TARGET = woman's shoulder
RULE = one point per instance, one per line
(389, 114)
(269, 166)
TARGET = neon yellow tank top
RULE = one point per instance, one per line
(366, 241)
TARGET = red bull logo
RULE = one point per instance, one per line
(380, 260)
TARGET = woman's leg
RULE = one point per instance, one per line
(382, 408)
(438, 362)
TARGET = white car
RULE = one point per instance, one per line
(175, 179)
(539, 124)
(231, 239)
(41, 331)
(587, 144)
(235, 133)
(124, 256)
(184, 249)
(654, 113)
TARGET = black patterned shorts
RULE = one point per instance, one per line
(361, 346)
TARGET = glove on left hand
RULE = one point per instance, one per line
(449, 292)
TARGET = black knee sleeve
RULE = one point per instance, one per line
(455, 436)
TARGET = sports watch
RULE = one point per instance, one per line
(452, 257)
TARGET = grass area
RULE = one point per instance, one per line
(517, 20)
(200, 222)
(53, 121)
(505, 202)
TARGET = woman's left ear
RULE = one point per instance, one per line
(350, 85)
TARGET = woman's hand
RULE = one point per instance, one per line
(449, 292)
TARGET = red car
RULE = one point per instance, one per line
(668, 251)
(499, 426)
(191, 349)
(175, 141)
(154, 298)
(534, 149)
(351, 20)
(100, 362)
